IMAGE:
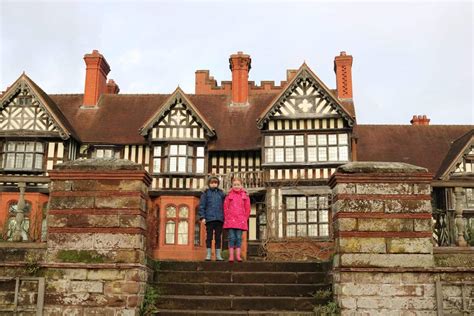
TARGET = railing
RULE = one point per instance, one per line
(250, 179)
(445, 228)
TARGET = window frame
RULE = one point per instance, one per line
(191, 158)
(176, 221)
(306, 223)
(4, 152)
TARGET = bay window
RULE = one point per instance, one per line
(22, 156)
(306, 148)
(178, 158)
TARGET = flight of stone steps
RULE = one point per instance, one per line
(247, 288)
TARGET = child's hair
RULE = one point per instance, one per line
(234, 179)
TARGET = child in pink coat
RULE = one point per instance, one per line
(236, 215)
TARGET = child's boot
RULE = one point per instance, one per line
(239, 259)
(231, 254)
(208, 255)
(218, 255)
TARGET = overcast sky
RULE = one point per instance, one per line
(409, 57)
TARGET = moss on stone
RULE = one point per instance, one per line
(85, 256)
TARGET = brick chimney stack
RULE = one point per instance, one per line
(97, 69)
(240, 67)
(112, 87)
(420, 120)
(343, 70)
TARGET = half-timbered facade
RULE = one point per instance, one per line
(284, 141)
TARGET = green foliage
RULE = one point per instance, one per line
(331, 308)
(149, 301)
(32, 265)
(86, 256)
(323, 294)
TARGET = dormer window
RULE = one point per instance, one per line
(22, 156)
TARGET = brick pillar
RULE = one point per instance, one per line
(96, 238)
(383, 233)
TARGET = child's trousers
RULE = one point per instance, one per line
(214, 227)
(235, 238)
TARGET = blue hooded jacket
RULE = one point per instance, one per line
(211, 205)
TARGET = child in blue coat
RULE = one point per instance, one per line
(211, 213)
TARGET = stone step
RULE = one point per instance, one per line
(249, 266)
(237, 303)
(241, 277)
(182, 312)
(235, 289)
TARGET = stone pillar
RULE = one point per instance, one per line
(382, 229)
(459, 207)
(97, 238)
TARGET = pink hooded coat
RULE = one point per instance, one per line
(236, 210)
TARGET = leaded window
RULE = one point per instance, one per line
(106, 153)
(178, 158)
(177, 227)
(306, 148)
(306, 216)
(22, 156)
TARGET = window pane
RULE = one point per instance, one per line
(190, 151)
(200, 152)
(39, 161)
(332, 139)
(311, 140)
(312, 156)
(312, 216)
(301, 202)
(170, 232)
(290, 203)
(108, 153)
(290, 217)
(99, 153)
(343, 154)
(323, 216)
(269, 154)
(279, 140)
(190, 164)
(299, 140)
(183, 212)
(268, 140)
(301, 230)
(171, 211)
(182, 150)
(183, 233)
(29, 161)
(157, 151)
(20, 147)
(324, 230)
(289, 155)
(322, 140)
(313, 230)
(19, 161)
(301, 216)
(289, 140)
(156, 165)
(322, 155)
(173, 165)
(173, 150)
(342, 139)
(10, 162)
(279, 155)
(39, 147)
(299, 154)
(200, 165)
(30, 146)
(290, 231)
(313, 202)
(11, 146)
(181, 164)
(332, 153)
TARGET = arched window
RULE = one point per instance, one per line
(11, 223)
(177, 227)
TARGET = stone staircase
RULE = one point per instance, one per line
(247, 288)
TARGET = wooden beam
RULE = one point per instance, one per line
(27, 179)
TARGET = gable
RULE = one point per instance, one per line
(305, 97)
(466, 163)
(25, 111)
(178, 119)
(460, 158)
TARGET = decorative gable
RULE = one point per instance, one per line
(178, 119)
(466, 163)
(25, 110)
(459, 160)
(305, 97)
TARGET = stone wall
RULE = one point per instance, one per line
(384, 262)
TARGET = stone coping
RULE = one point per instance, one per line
(453, 250)
(403, 270)
(23, 245)
(100, 164)
(379, 167)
